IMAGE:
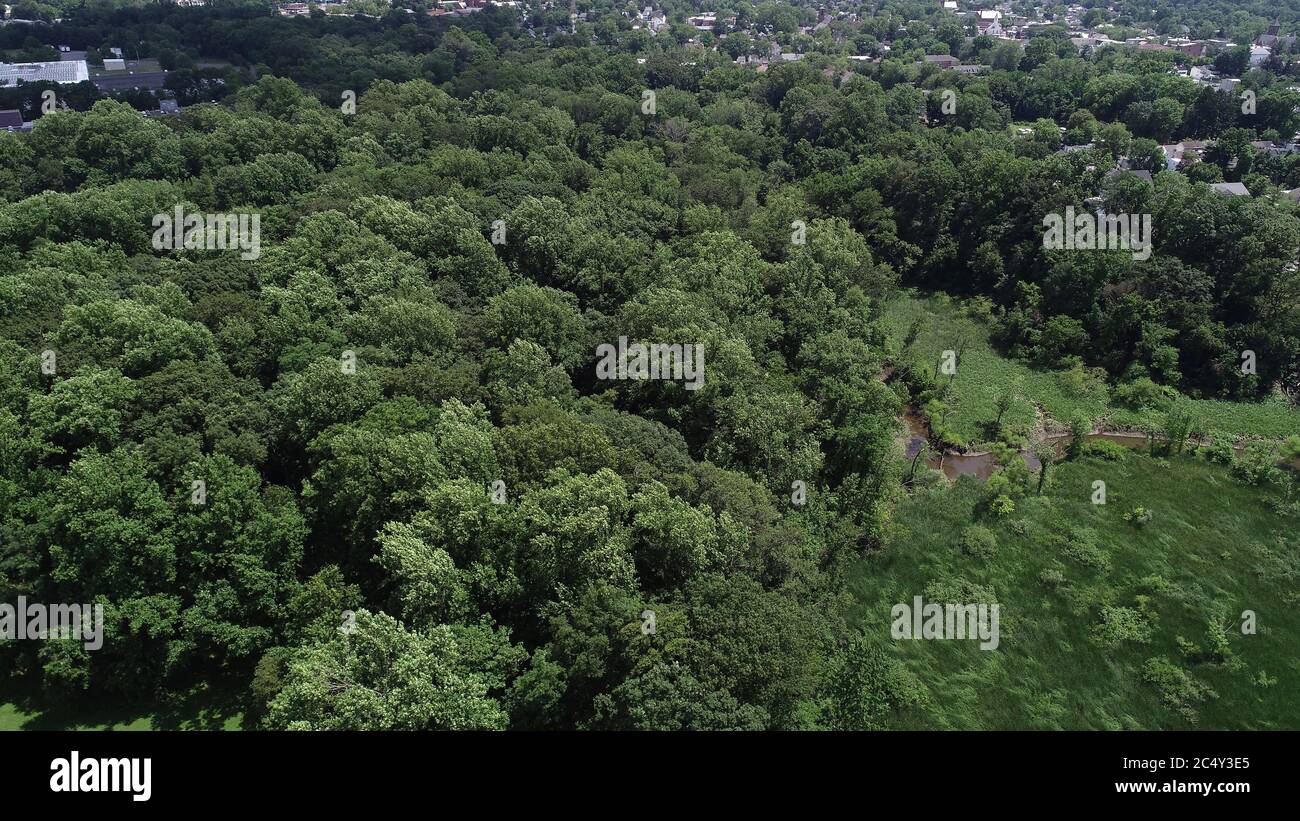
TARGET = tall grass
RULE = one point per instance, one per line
(1213, 549)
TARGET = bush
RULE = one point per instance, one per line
(1257, 465)
(1120, 624)
(1291, 448)
(1178, 690)
(1002, 506)
(1080, 382)
(1143, 393)
(1080, 544)
(1011, 480)
(1080, 427)
(1052, 577)
(979, 541)
(1105, 449)
(869, 686)
(1138, 516)
(1219, 452)
(979, 308)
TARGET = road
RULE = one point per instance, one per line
(119, 81)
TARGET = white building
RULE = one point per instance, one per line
(989, 22)
(64, 71)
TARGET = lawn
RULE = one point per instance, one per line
(983, 372)
(1212, 550)
(24, 707)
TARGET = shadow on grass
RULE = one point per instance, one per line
(24, 706)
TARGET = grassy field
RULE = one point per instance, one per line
(1058, 561)
(23, 707)
(983, 372)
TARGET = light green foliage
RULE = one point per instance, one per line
(385, 677)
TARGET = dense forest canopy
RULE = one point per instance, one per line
(393, 411)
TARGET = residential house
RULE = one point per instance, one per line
(1275, 149)
(1142, 175)
(1230, 189)
(942, 60)
(1273, 40)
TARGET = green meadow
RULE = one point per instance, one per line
(983, 374)
(1105, 623)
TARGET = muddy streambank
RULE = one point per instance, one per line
(981, 464)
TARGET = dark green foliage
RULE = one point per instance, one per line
(373, 476)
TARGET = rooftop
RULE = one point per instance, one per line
(66, 71)
(1232, 189)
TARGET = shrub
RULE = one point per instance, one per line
(1155, 583)
(1120, 624)
(979, 541)
(979, 308)
(1105, 449)
(1052, 577)
(1291, 448)
(1178, 690)
(1219, 452)
(1009, 481)
(1080, 427)
(1080, 382)
(1143, 393)
(1257, 465)
(1138, 516)
(869, 686)
(1002, 506)
(1080, 544)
